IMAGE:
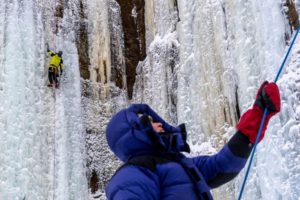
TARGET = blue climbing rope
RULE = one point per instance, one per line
(287, 54)
(264, 117)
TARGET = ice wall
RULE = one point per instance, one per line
(23, 127)
(70, 154)
(160, 18)
(205, 76)
(227, 47)
(99, 41)
(277, 170)
(106, 92)
(42, 144)
(156, 81)
(223, 51)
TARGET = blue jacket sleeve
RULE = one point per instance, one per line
(134, 183)
(227, 163)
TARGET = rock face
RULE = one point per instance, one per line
(292, 14)
(82, 43)
(132, 15)
(59, 13)
(115, 37)
(126, 39)
(118, 74)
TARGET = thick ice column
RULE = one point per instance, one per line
(3, 12)
(24, 117)
(117, 46)
(228, 46)
(149, 22)
(70, 181)
(259, 43)
(99, 40)
(160, 18)
(205, 99)
(156, 80)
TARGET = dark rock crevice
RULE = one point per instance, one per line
(177, 10)
(59, 9)
(94, 180)
(116, 45)
(58, 14)
(82, 42)
(292, 14)
(238, 112)
(132, 15)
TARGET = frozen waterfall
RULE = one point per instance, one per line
(226, 50)
(205, 60)
(41, 147)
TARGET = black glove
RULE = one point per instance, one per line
(268, 97)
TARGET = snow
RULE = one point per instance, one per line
(204, 60)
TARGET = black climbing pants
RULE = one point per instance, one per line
(52, 75)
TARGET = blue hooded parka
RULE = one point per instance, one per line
(180, 177)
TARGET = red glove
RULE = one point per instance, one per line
(267, 97)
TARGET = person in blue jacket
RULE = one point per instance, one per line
(155, 167)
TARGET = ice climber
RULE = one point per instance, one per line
(56, 67)
(155, 167)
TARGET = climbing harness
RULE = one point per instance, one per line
(264, 117)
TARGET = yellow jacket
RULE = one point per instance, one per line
(56, 60)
